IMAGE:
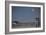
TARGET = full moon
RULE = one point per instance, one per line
(33, 10)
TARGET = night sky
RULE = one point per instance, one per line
(25, 14)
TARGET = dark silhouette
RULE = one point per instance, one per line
(15, 22)
(38, 19)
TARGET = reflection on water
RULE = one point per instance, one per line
(17, 24)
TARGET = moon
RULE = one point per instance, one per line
(33, 10)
